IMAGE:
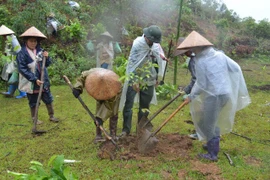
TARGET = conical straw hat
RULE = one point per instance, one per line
(33, 32)
(5, 31)
(194, 39)
(178, 52)
(107, 34)
(102, 84)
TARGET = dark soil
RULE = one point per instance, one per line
(169, 145)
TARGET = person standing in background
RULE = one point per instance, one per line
(105, 52)
(29, 61)
(11, 49)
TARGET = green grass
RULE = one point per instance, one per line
(73, 137)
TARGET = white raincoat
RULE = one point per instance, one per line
(219, 91)
(139, 55)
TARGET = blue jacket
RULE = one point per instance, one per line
(23, 59)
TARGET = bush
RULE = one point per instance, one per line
(72, 69)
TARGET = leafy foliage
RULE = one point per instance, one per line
(166, 91)
(119, 67)
(75, 31)
(58, 170)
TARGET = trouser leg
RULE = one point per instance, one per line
(51, 113)
(145, 99)
(32, 110)
(127, 111)
(113, 126)
(98, 137)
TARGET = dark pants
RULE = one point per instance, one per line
(105, 65)
(145, 97)
(211, 110)
(46, 97)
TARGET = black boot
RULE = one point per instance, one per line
(113, 126)
(51, 113)
(33, 109)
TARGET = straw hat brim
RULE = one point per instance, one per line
(5, 31)
(33, 32)
(102, 84)
(194, 39)
(107, 34)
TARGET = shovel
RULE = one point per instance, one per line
(34, 129)
(148, 141)
(146, 123)
(91, 114)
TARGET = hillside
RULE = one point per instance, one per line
(236, 37)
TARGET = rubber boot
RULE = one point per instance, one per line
(98, 137)
(33, 115)
(113, 126)
(213, 149)
(51, 113)
(22, 95)
(11, 90)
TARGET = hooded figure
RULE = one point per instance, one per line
(219, 91)
(145, 50)
(29, 61)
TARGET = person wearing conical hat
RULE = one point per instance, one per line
(104, 86)
(51, 24)
(9, 74)
(219, 91)
(191, 67)
(105, 51)
(29, 61)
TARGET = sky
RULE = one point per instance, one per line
(258, 9)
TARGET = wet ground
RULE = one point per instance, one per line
(170, 147)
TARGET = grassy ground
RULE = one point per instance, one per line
(74, 134)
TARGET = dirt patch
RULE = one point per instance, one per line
(170, 146)
(251, 160)
(262, 88)
(210, 170)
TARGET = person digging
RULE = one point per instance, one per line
(218, 93)
(104, 86)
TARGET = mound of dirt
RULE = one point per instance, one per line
(170, 146)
